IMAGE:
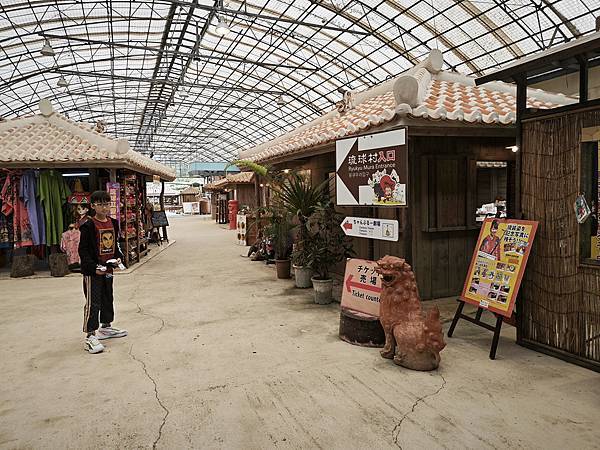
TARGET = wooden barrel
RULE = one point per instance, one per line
(361, 329)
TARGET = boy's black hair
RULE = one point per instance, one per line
(495, 224)
(100, 197)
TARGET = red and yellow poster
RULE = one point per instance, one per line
(362, 287)
(498, 264)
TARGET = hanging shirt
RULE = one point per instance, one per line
(70, 245)
(6, 223)
(28, 193)
(53, 193)
(12, 204)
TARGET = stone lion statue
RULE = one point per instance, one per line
(413, 338)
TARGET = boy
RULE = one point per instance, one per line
(98, 245)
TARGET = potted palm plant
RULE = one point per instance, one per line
(280, 229)
(300, 198)
(326, 246)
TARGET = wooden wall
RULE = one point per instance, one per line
(559, 303)
(444, 191)
(245, 194)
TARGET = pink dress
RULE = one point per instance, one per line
(70, 245)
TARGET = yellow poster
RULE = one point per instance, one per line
(498, 264)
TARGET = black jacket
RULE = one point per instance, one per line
(88, 246)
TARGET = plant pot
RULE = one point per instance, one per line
(303, 276)
(323, 289)
(283, 268)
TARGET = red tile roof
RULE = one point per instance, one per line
(424, 92)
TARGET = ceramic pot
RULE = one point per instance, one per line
(323, 289)
(303, 276)
(283, 268)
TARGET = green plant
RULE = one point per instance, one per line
(326, 243)
(280, 230)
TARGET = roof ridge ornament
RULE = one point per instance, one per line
(347, 103)
(46, 107)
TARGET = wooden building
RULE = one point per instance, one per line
(559, 305)
(459, 156)
(189, 194)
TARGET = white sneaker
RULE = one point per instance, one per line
(93, 345)
(110, 332)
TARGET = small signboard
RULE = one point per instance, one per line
(114, 190)
(372, 170)
(362, 287)
(498, 264)
(159, 219)
(382, 229)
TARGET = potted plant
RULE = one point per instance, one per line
(280, 229)
(301, 263)
(300, 198)
(326, 246)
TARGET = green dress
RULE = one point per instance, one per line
(53, 193)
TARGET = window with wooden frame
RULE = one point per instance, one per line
(588, 200)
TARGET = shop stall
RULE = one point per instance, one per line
(219, 197)
(189, 200)
(170, 196)
(559, 307)
(454, 160)
(49, 165)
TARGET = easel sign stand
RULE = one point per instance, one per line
(495, 273)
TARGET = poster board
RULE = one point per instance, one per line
(114, 190)
(362, 287)
(159, 219)
(595, 239)
(191, 207)
(372, 170)
(498, 264)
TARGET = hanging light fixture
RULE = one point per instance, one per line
(222, 28)
(62, 82)
(47, 49)
(280, 101)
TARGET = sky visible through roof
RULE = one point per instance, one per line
(158, 74)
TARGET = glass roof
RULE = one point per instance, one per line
(158, 73)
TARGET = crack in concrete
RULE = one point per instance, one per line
(164, 420)
(396, 430)
(141, 311)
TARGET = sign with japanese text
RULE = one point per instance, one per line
(383, 229)
(372, 170)
(362, 287)
(114, 190)
(498, 264)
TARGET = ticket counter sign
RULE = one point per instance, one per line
(498, 264)
(362, 287)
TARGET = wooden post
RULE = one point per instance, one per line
(162, 207)
(583, 79)
(521, 81)
(113, 175)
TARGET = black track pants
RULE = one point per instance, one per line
(98, 291)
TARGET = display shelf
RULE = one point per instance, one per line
(132, 226)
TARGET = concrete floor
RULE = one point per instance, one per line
(222, 355)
